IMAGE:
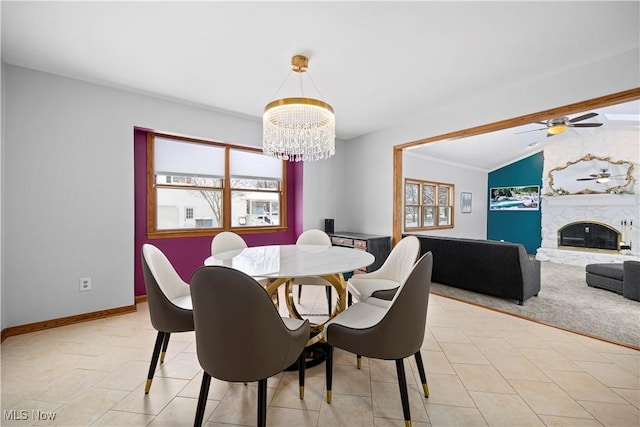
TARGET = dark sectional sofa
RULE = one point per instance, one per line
(494, 268)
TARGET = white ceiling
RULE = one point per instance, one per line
(377, 63)
(491, 151)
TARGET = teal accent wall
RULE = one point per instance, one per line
(517, 226)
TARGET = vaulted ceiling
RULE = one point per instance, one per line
(493, 150)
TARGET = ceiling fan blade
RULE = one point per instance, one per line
(585, 125)
(532, 130)
(583, 117)
(585, 179)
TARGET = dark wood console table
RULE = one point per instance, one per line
(378, 246)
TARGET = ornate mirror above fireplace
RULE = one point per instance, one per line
(592, 175)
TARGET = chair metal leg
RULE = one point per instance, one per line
(404, 395)
(164, 346)
(329, 371)
(299, 293)
(262, 403)
(154, 360)
(202, 399)
(423, 376)
(301, 368)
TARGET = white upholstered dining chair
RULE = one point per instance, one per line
(226, 241)
(320, 238)
(378, 287)
(169, 300)
(230, 241)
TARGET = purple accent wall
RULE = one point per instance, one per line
(188, 253)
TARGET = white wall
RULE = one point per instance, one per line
(471, 225)
(325, 190)
(369, 177)
(370, 173)
(2, 128)
(68, 192)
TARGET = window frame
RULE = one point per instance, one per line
(421, 206)
(154, 233)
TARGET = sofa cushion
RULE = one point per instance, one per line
(611, 270)
(602, 282)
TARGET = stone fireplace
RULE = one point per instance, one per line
(587, 224)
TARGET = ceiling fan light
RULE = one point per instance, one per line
(557, 129)
(602, 180)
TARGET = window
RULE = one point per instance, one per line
(427, 205)
(255, 187)
(198, 187)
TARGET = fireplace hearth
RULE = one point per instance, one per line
(589, 235)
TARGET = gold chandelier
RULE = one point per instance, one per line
(299, 129)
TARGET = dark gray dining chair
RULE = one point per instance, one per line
(240, 336)
(169, 302)
(389, 333)
(378, 287)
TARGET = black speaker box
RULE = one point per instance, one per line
(328, 225)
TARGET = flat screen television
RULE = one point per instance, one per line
(515, 198)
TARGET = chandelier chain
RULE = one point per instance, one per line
(315, 87)
(282, 84)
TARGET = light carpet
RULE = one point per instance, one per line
(567, 302)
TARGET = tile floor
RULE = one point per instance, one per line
(484, 368)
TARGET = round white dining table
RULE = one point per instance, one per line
(281, 263)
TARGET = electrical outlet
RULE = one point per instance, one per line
(85, 284)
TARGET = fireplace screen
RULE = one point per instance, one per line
(588, 235)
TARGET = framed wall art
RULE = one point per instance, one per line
(515, 198)
(465, 202)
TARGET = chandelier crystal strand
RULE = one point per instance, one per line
(299, 129)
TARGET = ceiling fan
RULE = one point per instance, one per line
(601, 178)
(558, 125)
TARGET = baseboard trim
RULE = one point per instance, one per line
(141, 298)
(64, 321)
(542, 322)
